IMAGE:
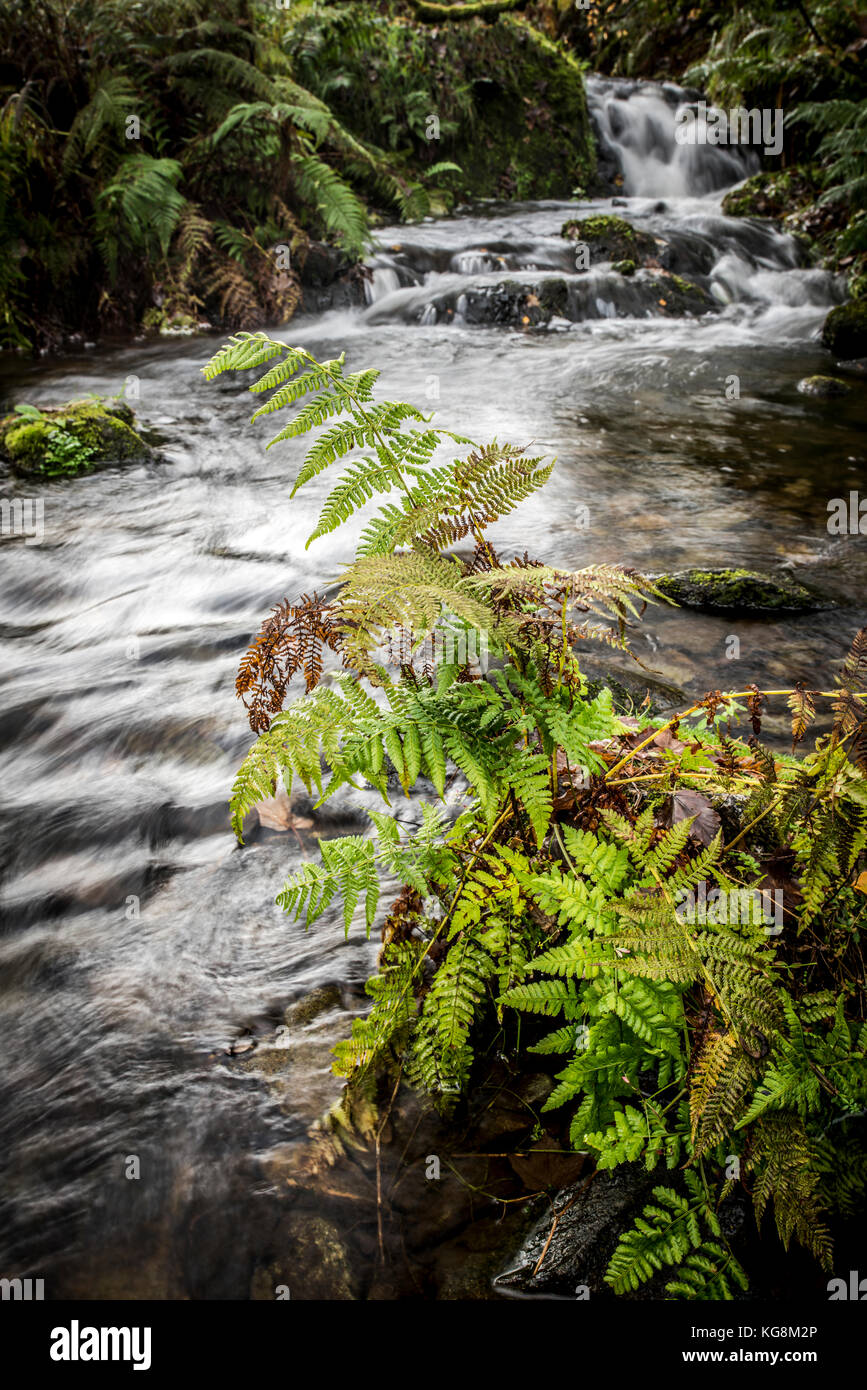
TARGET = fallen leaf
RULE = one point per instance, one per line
(543, 1166)
(685, 804)
(275, 813)
(861, 882)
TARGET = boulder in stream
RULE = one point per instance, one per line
(72, 439)
(738, 590)
(845, 330)
(824, 388)
(566, 1253)
(610, 238)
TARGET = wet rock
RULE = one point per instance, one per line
(845, 330)
(824, 388)
(531, 303)
(510, 1110)
(72, 439)
(314, 1263)
(593, 1214)
(610, 238)
(856, 366)
(323, 264)
(630, 688)
(738, 590)
(313, 1004)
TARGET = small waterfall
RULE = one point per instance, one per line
(635, 126)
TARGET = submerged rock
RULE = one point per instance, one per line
(738, 590)
(845, 330)
(823, 387)
(315, 1263)
(72, 439)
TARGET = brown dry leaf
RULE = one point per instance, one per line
(569, 783)
(275, 813)
(861, 882)
(543, 1166)
(685, 804)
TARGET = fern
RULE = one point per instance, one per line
(680, 1036)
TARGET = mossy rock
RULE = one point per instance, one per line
(771, 194)
(72, 439)
(845, 330)
(738, 590)
(624, 267)
(824, 388)
(675, 296)
(610, 238)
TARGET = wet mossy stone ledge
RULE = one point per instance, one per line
(610, 238)
(739, 590)
(845, 330)
(72, 439)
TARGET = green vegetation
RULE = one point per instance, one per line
(737, 590)
(802, 56)
(500, 100)
(75, 438)
(166, 163)
(609, 238)
(596, 902)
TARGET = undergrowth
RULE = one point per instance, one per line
(674, 909)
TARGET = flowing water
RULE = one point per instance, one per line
(140, 946)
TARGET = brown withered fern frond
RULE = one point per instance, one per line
(291, 640)
(849, 710)
(803, 708)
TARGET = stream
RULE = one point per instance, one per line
(140, 947)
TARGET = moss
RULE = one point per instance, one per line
(675, 296)
(624, 267)
(730, 590)
(72, 439)
(824, 387)
(610, 238)
(771, 194)
(510, 103)
(845, 330)
(544, 155)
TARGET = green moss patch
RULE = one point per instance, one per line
(610, 239)
(71, 439)
(742, 590)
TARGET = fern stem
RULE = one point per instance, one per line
(726, 699)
